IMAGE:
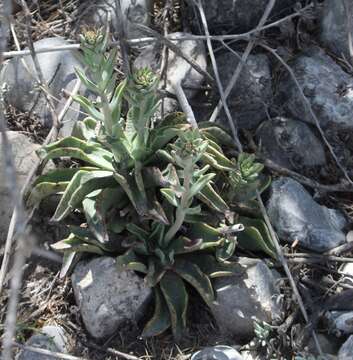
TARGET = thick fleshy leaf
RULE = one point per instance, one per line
(155, 273)
(209, 265)
(89, 107)
(93, 154)
(130, 261)
(195, 277)
(176, 297)
(212, 199)
(210, 236)
(226, 250)
(53, 182)
(69, 260)
(77, 244)
(200, 183)
(95, 219)
(85, 129)
(83, 183)
(115, 104)
(256, 236)
(216, 133)
(140, 233)
(169, 195)
(160, 321)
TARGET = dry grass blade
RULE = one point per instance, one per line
(285, 266)
(231, 121)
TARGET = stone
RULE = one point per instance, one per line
(334, 27)
(218, 352)
(252, 92)
(346, 350)
(290, 143)
(240, 299)
(341, 322)
(95, 13)
(328, 344)
(106, 296)
(58, 68)
(347, 270)
(297, 217)
(51, 338)
(327, 87)
(229, 16)
(179, 71)
(24, 157)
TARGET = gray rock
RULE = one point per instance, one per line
(290, 143)
(328, 345)
(58, 68)
(51, 338)
(219, 352)
(296, 216)
(24, 157)
(134, 12)
(346, 351)
(107, 297)
(241, 299)
(334, 27)
(327, 87)
(179, 71)
(341, 322)
(347, 270)
(236, 16)
(252, 92)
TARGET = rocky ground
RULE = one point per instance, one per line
(289, 78)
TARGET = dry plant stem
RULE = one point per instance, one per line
(54, 355)
(173, 47)
(124, 48)
(244, 58)
(24, 245)
(111, 351)
(37, 67)
(284, 263)
(183, 101)
(308, 106)
(150, 40)
(231, 121)
(52, 136)
(348, 10)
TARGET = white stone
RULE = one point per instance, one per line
(106, 296)
(346, 351)
(24, 157)
(241, 298)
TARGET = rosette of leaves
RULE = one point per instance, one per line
(187, 251)
(156, 193)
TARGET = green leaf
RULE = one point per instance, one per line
(89, 107)
(195, 277)
(209, 265)
(86, 82)
(256, 236)
(76, 244)
(169, 195)
(212, 199)
(83, 183)
(85, 129)
(226, 250)
(140, 233)
(93, 154)
(214, 132)
(130, 261)
(160, 321)
(200, 183)
(176, 297)
(95, 219)
(115, 104)
(69, 260)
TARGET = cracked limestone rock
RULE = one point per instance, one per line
(296, 216)
(240, 299)
(290, 143)
(327, 87)
(251, 94)
(106, 296)
(58, 69)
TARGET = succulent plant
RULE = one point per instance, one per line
(157, 194)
